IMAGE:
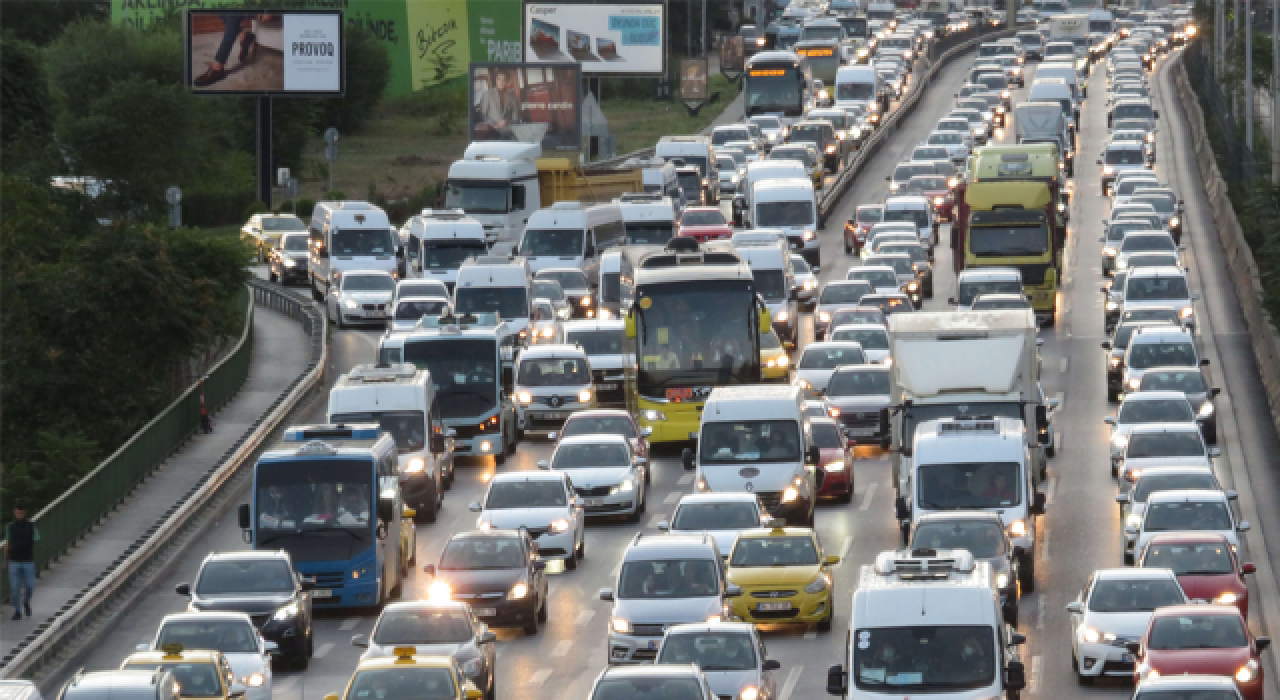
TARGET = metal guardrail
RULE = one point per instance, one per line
(112, 585)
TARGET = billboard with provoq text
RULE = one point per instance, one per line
(276, 53)
(618, 39)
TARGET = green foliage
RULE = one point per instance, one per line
(335, 196)
(368, 70)
(305, 206)
(98, 328)
(26, 141)
(257, 206)
(41, 21)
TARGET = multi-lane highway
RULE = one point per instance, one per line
(1082, 528)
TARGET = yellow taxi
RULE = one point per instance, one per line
(775, 366)
(198, 673)
(408, 676)
(784, 577)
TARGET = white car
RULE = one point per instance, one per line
(1114, 609)
(608, 477)
(1184, 510)
(407, 312)
(233, 634)
(1153, 479)
(882, 277)
(542, 502)
(1144, 407)
(873, 338)
(551, 382)
(1162, 445)
(819, 360)
(721, 514)
(1153, 287)
(361, 296)
(730, 655)
(1136, 243)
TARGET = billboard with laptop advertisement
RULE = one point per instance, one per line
(623, 39)
(265, 52)
(534, 103)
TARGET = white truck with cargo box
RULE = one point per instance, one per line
(1073, 28)
(572, 234)
(439, 240)
(349, 236)
(927, 624)
(497, 183)
(992, 369)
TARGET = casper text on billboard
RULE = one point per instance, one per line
(621, 39)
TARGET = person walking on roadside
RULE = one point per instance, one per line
(20, 537)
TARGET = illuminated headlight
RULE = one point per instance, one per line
(1005, 94)
(548, 332)
(559, 525)
(1109, 252)
(1191, 30)
(978, 131)
(1016, 71)
(1002, 580)
(733, 179)
(1134, 519)
(1248, 672)
(804, 384)
(626, 486)
(584, 395)
(439, 590)
(415, 465)
(1120, 441)
(653, 416)
(823, 94)
(937, 201)
(1091, 635)
(863, 53)
(288, 262)
(1108, 170)
(833, 466)
(484, 525)
(1226, 598)
(857, 132)
(1134, 383)
(842, 135)
(749, 693)
(1206, 409)
(1186, 312)
(953, 182)
(913, 286)
(1112, 305)
(790, 494)
(780, 361)
(907, 54)
(893, 186)
(351, 304)
(287, 611)
(562, 314)
(818, 585)
(585, 301)
(810, 284)
(831, 148)
(620, 625)
(518, 591)
(524, 397)
(1062, 206)
(1175, 222)
(1018, 528)
(808, 235)
(781, 317)
(701, 485)
(254, 680)
(760, 41)
(824, 316)
(704, 182)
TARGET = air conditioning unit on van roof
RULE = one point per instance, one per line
(443, 213)
(924, 563)
(382, 373)
(352, 206)
(967, 427)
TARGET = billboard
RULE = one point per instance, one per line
(693, 79)
(272, 52)
(620, 39)
(534, 103)
(731, 56)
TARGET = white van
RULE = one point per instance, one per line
(752, 438)
(495, 284)
(791, 206)
(439, 240)
(648, 219)
(350, 236)
(662, 180)
(858, 86)
(759, 172)
(1066, 71)
(402, 401)
(771, 268)
(604, 341)
(571, 234)
(497, 183)
(692, 150)
(915, 209)
(551, 382)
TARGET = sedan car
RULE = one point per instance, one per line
(609, 421)
(836, 458)
(1133, 502)
(720, 514)
(883, 278)
(362, 296)
(1114, 609)
(704, 224)
(981, 533)
(819, 359)
(608, 478)
(781, 558)
(1141, 408)
(231, 633)
(287, 258)
(437, 628)
(936, 190)
(837, 294)
(1208, 569)
(1194, 385)
(544, 503)
(495, 571)
(730, 655)
(554, 293)
(873, 338)
(1184, 510)
(775, 364)
(1163, 445)
(855, 396)
(1204, 639)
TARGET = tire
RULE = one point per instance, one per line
(531, 627)
(499, 458)
(542, 610)
(1051, 450)
(1128, 558)
(315, 293)
(519, 434)
(848, 249)
(1011, 616)
(1027, 572)
(1115, 470)
(581, 553)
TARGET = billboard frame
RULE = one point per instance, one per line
(524, 35)
(579, 96)
(187, 74)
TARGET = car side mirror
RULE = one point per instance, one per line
(437, 444)
(1075, 607)
(770, 665)
(732, 591)
(606, 594)
(360, 640)
(1122, 498)
(1015, 676)
(1109, 420)
(837, 681)
(183, 589)
(544, 464)
(686, 458)
(1243, 526)
(244, 516)
(1248, 568)
(474, 507)
(429, 569)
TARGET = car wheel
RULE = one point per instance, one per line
(1050, 450)
(519, 434)
(272, 277)
(1211, 435)
(315, 293)
(848, 249)
(1027, 572)
(582, 548)
(531, 627)
(824, 625)
(1083, 679)
(499, 458)
(845, 497)
(542, 610)
(1115, 469)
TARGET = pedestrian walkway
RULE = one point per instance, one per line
(280, 353)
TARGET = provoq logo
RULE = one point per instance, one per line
(313, 48)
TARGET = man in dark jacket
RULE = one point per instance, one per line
(20, 551)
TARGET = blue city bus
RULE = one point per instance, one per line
(330, 496)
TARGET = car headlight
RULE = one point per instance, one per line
(701, 485)
(1002, 580)
(833, 466)
(289, 262)
(1018, 528)
(351, 304)
(547, 332)
(760, 41)
(584, 395)
(831, 148)
(810, 285)
(809, 235)
(893, 186)
(287, 611)
(818, 585)
(620, 625)
(524, 397)
(937, 201)
(585, 301)
(560, 525)
(781, 316)
(562, 314)
(415, 465)
(749, 693)
(1134, 384)
(518, 591)
(1109, 251)
(779, 361)
(1108, 170)
(1134, 519)
(1120, 441)
(653, 416)
(953, 182)
(913, 286)
(1112, 305)
(863, 53)
(1206, 409)
(254, 680)
(733, 179)
(824, 316)
(439, 590)
(841, 135)
(627, 484)
(484, 525)
(804, 384)
(1004, 94)
(1186, 312)
(1090, 635)
(1248, 672)
(790, 494)
(1000, 109)
(823, 94)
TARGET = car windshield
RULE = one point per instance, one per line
(553, 371)
(930, 154)
(870, 215)
(925, 658)
(751, 552)
(407, 427)
(598, 425)
(282, 223)
(1160, 242)
(1168, 443)
(825, 435)
(904, 172)
(548, 289)
(719, 137)
(716, 516)
(830, 357)
(877, 278)
(702, 218)
(368, 283)
(1186, 515)
(919, 217)
(412, 310)
(483, 553)
(669, 578)
(900, 265)
(1188, 381)
(859, 383)
(982, 538)
(739, 442)
(1143, 355)
(362, 242)
(711, 651)
(226, 636)
(969, 485)
(855, 91)
(1151, 483)
(1163, 203)
(794, 213)
(196, 679)
(868, 338)
(568, 279)
(1131, 112)
(1203, 631)
(403, 683)
(399, 626)
(771, 284)
(1126, 156)
(531, 493)
(844, 293)
(604, 342)
(295, 244)
(946, 137)
(245, 576)
(591, 455)
(1190, 558)
(411, 288)
(810, 133)
(1155, 411)
(647, 233)
(648, 687)
(1137, 595)
(562, 242)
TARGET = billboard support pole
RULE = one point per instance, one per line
(264, 150)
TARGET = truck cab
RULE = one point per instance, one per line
(497, 183)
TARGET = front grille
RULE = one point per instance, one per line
(647, 630)
(775, 614)
(597, 491)
(555, 401)
(770, 500)
(374, 307)
(1125, 667)
(865, 419)
(774, 594)
(608, 508)
(470, 430)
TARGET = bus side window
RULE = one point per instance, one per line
(517, 197)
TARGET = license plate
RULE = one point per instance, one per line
(321, 593)
(485, 612)
(653, 644)
(560, 415)
(768, 607)
(1126, 658)
(607, 386)
(594, 501)
(693, 435)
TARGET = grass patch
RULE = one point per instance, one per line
(640, 123)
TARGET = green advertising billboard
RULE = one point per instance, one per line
(428, 41)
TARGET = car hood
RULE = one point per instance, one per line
(480, 580)
(368, 297)
(1122, 624)
(590, 477)
(1208, 587)
(459, 650)
(669, 611)
(605, 361)
(731, 683)
(250, 604)
(735, 477)
(513, 518)
(757, 576)
(1214, 662)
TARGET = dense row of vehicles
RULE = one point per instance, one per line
(654, 319)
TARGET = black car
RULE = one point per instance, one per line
(498, 573)
(287, 259)
(982, 533)
(265, 586)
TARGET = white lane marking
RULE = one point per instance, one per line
(793, 677)
(562, 647)
(685, 480)
(1044, 544)
(811, 634)
(1053, 486)
(1057, 441)
(584, 616)
(866, 498)
(540, 676)
(1033, 684)
(323, 650)
(285, 686)
(1062, 365)
(844, 549)
(349, 624)
(673, 497)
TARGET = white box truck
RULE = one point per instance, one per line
(496, 182)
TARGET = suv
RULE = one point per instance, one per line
(264, 585)
(664, 580)
(671, 681)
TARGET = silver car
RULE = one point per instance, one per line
(233, 634)
(435, 628)
(609, 478)
(730, 654)
(820, 360)
(361, 296)
(855, 395)
(805, 282)
(1145, 407)
(721, 514)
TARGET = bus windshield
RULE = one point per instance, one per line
(697, 333)
(775, 89)
(564, 242)
(463, 371)
(317, 510)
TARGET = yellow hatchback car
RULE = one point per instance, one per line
(775, 366)
(783, 575)
(408, 676)
(199, 674)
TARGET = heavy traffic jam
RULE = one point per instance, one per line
(703, 385)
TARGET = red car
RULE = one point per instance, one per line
(1206, 567)
(1211, 640)
(704, 224)
(836, 461)
(936, 190)
(607, 421)
(855, 229)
